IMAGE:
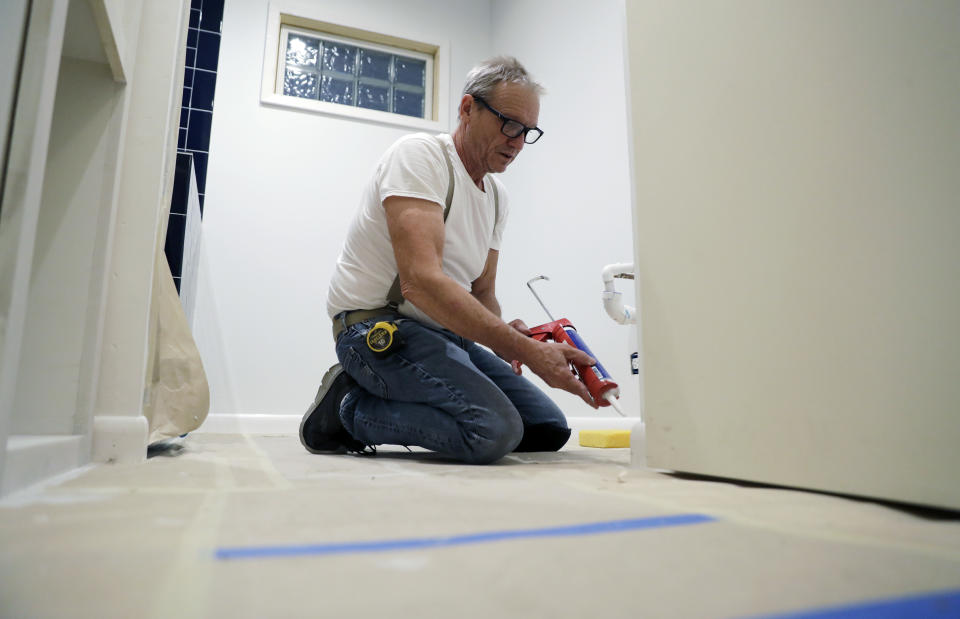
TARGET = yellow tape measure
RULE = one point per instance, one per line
(382, 338)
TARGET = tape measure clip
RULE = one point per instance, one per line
(384, 338)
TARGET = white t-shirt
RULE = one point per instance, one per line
(415, 167)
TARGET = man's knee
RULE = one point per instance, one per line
(501, 434)
(543, 437)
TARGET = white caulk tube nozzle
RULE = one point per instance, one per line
(611, 397)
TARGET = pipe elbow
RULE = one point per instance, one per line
(620, 313)
(612, 270)
(613, 300)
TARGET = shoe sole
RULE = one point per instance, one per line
(325, 384)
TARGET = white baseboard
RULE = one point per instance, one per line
(250, 424)
(602, 423)
(290, 424)
(32, 459)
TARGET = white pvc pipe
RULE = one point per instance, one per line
(612, 270)
(613, 300)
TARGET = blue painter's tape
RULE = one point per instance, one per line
(930, 606)
(415, 543)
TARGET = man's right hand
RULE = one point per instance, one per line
(551, 362)
(520, 326)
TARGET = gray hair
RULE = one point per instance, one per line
(483, 78)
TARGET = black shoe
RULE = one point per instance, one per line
(321, 430)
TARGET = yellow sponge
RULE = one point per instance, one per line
(604, 438)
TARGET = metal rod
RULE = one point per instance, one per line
(529, 285)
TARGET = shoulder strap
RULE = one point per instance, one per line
(394, 296)
(496, 202)
(446, 157)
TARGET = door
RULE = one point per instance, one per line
(797, 205)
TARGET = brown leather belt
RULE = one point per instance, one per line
(347, 319)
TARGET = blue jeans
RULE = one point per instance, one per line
(444, 393)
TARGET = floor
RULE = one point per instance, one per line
(235, 525)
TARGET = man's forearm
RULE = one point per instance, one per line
(489, 301)
(476, 318)
(416, 231)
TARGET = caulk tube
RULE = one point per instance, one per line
(596, 377)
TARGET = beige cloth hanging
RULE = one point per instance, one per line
(178, 397)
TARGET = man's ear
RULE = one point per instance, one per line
(466, 106)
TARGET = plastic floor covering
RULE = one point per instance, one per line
(253, 526)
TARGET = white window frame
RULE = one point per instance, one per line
(302, 19)
(287, 31)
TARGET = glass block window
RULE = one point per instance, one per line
(333, 69)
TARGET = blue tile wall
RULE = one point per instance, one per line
(199, 83)
(204, 83)
(177, 224)
(181, 184)
(198, 132)
(196, 116)
(208, 50)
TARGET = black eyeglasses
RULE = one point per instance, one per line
(512, 128)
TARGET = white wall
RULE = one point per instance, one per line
(570, 192)
(282, 186)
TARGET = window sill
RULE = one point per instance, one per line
(351, 113)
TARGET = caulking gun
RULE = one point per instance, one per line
(601, 387)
